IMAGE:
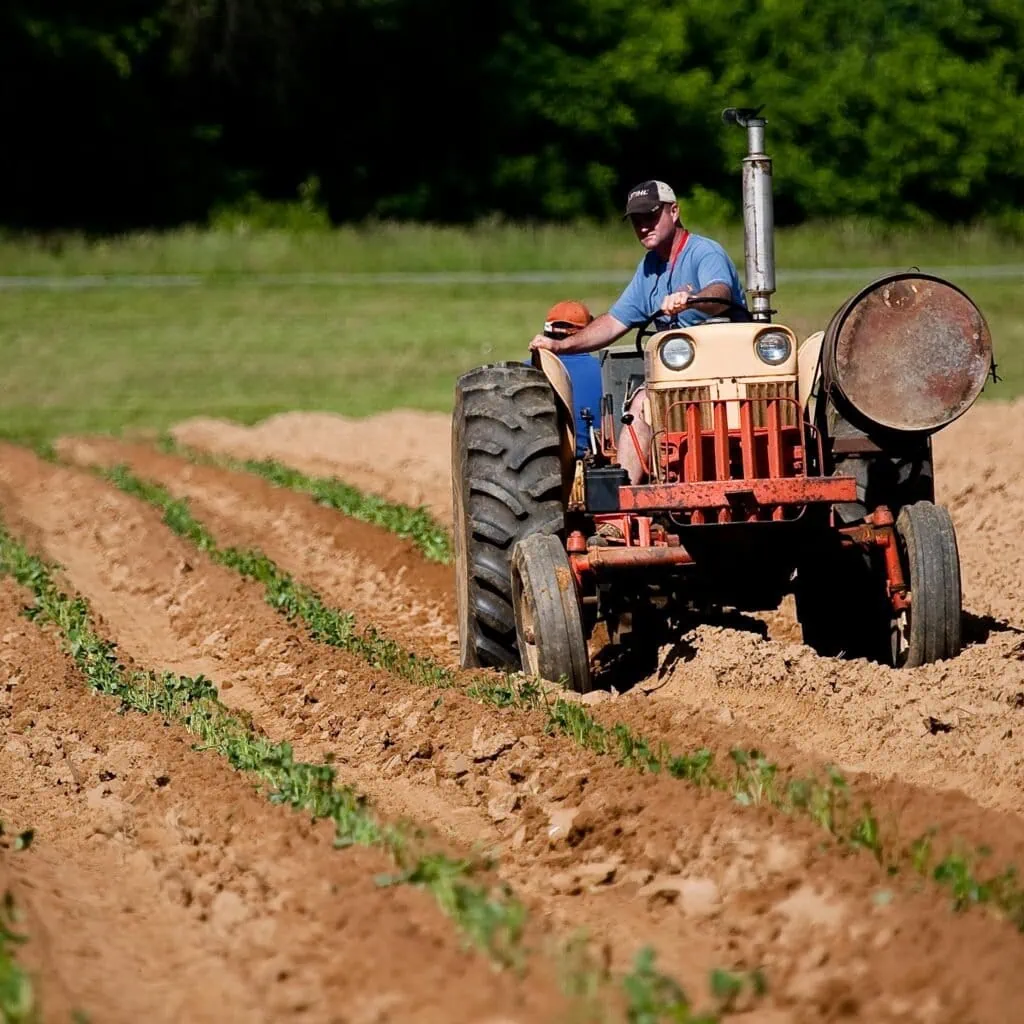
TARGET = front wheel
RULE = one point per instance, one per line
(549, 626)
(930, 629)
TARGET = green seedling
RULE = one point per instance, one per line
(728, 987)
(17, 997)
(488, 915)
(755, 778)
(414, 524)
(652, 997)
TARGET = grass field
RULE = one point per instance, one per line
(486, 247)
(127, 356)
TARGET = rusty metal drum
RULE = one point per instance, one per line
(909, 352)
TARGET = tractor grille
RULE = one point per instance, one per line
(668, 412)
(774, 389)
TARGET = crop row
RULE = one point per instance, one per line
(487, 913)
(414, 524)
(750, 777)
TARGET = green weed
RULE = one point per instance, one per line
(17, 997)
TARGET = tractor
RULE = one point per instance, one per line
(774, 468)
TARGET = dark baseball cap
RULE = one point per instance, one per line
(647, 197)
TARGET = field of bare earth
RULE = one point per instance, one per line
(635, 818)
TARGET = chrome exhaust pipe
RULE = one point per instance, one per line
(758, 212)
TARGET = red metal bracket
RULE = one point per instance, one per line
(878, 531)
(601, 559)
(799, 490)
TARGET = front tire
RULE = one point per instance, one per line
(931, 628)
(549, 626)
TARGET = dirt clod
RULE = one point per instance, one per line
(488, 744)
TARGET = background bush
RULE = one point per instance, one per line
(124, 114)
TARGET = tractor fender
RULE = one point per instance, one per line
(561, 383)
(809, 372)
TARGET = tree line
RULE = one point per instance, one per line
(121, 114)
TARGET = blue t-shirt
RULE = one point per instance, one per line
(700, 263)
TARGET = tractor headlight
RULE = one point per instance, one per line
(677, 353)
(773, 347)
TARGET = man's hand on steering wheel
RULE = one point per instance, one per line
(676, 302)
(714, 300)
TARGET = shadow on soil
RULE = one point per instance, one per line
(642, 657)
(977, 629)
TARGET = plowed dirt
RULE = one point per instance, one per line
(415, 471)
(956, 726)
(638, 860)
(160, 887)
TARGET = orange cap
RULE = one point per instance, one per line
(566, 318)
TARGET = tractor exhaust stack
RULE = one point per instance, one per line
(758, 213)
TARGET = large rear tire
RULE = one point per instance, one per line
(931, 628)
(506, 485)
(549, 626)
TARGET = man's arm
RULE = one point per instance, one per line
(705, 299)
(714, 279)
(597, 334)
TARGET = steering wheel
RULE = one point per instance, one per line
(643, 327)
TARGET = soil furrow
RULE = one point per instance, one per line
(635, 859)
(400, 455)
(160, 886)
(354, 565)
(954, 726)
(653, 708)
(978, 471)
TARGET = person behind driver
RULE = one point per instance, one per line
(563, 320)
(681, 275)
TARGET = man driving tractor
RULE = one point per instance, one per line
(687, 277)
(811, 462)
